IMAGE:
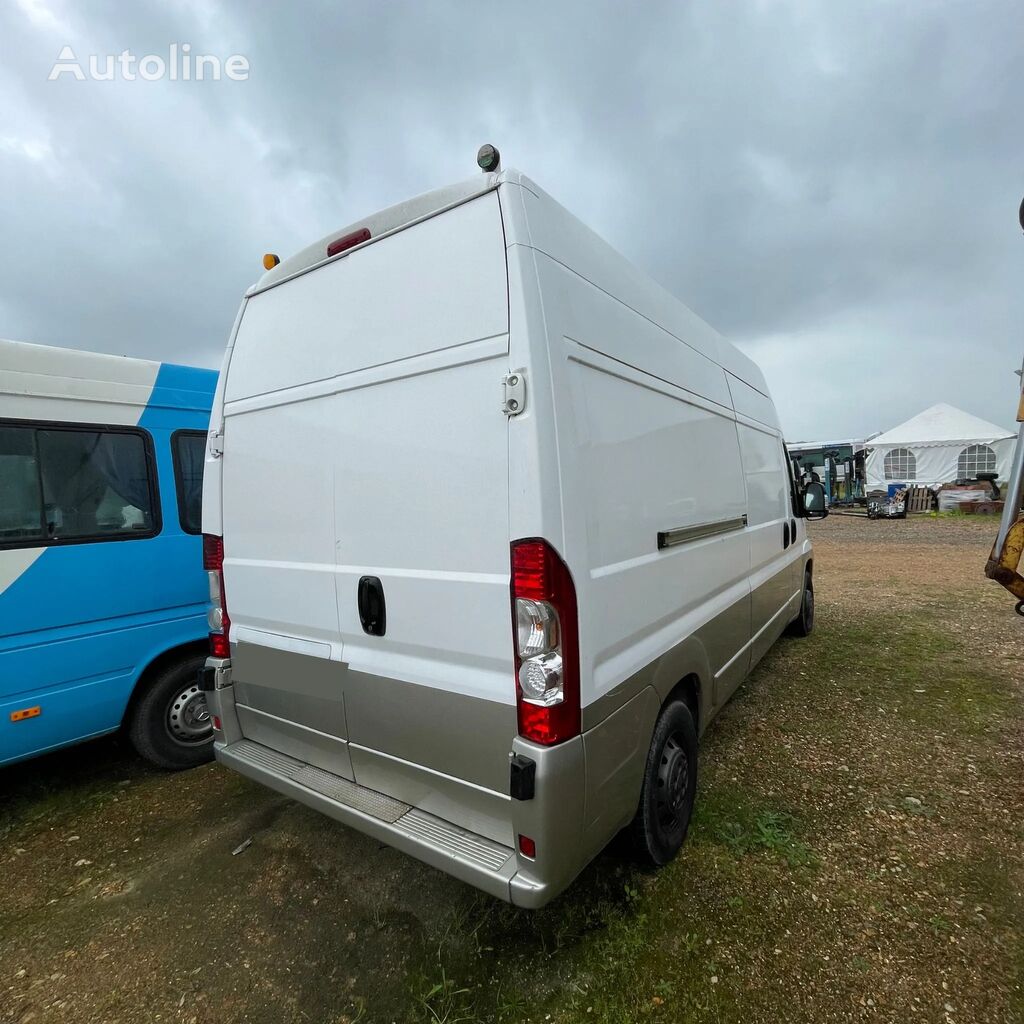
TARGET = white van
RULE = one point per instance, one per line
(495, 525)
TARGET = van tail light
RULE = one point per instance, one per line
(220, 624)
(546, 640)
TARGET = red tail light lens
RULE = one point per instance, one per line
(217, 616)
(545, 632)
(213, 552)
(348, 241)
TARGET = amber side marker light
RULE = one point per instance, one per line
(270, 260)
(23, 713)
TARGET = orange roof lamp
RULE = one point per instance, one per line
(270, 260)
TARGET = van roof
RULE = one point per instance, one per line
(406, 213)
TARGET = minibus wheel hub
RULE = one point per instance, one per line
(188, 716)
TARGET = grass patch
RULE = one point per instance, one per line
(729, 816)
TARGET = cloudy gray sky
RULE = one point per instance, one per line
(832, 185)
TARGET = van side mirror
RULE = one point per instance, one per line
(815, 505)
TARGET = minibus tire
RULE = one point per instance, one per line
(669, 787)
(148, 728)
(803, 624)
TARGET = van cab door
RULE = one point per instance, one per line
(770, 533)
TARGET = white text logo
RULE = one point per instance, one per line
(179, 65)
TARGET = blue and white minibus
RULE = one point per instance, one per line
(103, 597)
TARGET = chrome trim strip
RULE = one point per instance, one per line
(685, 534)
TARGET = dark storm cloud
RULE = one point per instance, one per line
(831, 185)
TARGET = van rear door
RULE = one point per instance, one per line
(366, 515)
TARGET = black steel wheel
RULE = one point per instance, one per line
(669, 786)
(170, 722)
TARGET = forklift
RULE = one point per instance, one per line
(842, 473)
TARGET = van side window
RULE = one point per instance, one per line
(75, 483)
(189, 450)
(794, 494)
(767, 478)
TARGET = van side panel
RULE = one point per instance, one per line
(652, 457)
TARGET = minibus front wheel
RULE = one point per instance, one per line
(170, 724)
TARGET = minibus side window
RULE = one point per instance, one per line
(21, 496)
(189, 450)
(75, 484)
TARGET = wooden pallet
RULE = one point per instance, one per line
(919, 499)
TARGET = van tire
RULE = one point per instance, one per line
(172, 695)
(669, 787)
(803, 624)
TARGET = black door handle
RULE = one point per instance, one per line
(372, 610)
(785, 536)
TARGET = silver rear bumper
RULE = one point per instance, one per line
(553, 818)
(469, 857)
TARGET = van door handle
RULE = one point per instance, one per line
(372, 609)
(785, 536)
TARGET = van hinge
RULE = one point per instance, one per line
(216, 443)
(513, 393)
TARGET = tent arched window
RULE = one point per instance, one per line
(900, 464)
(975, 459)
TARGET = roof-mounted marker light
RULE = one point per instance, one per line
(270, 260)
(488, 158)
(348, 241)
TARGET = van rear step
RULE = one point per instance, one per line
(369, 801)
(477, 860)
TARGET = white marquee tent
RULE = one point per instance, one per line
(937, 446)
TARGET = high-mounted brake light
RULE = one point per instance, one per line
(347, 241)
(545, 632)
(217, 617)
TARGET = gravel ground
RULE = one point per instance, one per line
(857, 855)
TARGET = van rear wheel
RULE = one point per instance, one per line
(170, 723)
(669, 787)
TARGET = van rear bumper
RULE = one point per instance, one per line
(553, 818)
(471, 858)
